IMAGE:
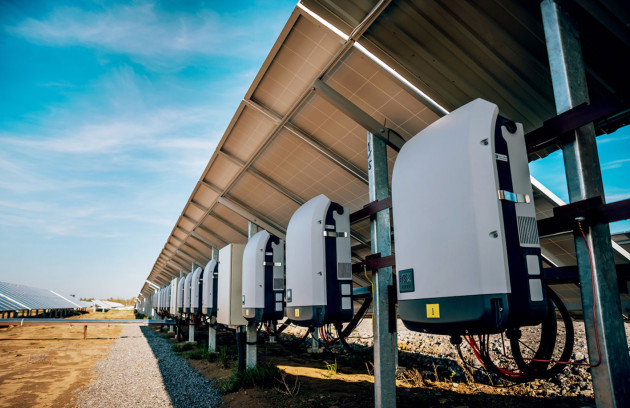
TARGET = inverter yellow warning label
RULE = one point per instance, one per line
(297, 312)
(433, 311)
(246, 312)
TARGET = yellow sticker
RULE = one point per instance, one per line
(246, 312)
(433, 311)
(297, 312)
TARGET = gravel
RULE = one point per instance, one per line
(432, 354)
(141, 370)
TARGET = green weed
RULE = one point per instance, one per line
(264, 375)
(331, 368)
(179, 348)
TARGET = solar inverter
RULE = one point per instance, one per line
(319, 268)
(209, 288)
(187, 285)
(196, 285)
(263, 278)
(180, 295)
(467, 246)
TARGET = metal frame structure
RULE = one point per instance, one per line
(454, 52)
(605, 333)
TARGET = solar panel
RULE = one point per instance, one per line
(20, 297)
(286, 143)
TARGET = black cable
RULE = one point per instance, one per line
(351, 349)
(569, 342)
(291, 343)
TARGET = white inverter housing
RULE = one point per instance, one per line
(195, 291)
(467, 249)
(173, 298)
(180, 295)
(209, 288)
(187, 284)
(263, 278)
(229, 287)
(319, 268)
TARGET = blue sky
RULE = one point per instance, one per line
(109, 114)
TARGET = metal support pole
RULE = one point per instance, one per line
(385, 339)
(315, 348)
(191, 331)
(251, 349)
(212, 332)
(604, 327)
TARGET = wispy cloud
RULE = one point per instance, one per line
(166, 128)
(142, 30)
(615, 164)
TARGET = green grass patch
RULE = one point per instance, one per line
(179, 348)
(264, 375)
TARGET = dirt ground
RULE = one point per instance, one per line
(351, 384)
(42, 366)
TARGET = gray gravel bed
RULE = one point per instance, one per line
(141, 370)
(432, 354)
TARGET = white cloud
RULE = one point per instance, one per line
(142, 30)
(166, 128)
(615, 164)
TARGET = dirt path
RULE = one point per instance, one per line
(43, 366)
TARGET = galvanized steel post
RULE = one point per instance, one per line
(212, 332)
(252, 333)
(604, 328)
(385, 339)
(191, 319)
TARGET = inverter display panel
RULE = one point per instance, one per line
(319, 269)
(263, 278)
(467, 250)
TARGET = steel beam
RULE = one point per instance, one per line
(385, 339)
(202, 239)
(199, 206)
(181, 266)
(222, 240)
(355, 113)
(232, 158)
(251, 215)
(295, 198)
(195, 252)
(173, 271)
(187, 256)
(309, 140)
(228, 223)
(190, 220)
(181, 241)
(605, 331)
(211, 187)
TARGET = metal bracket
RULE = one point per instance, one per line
(556, 131)
(389, 136)
(505, 195)
(592, 209)
(334, 234)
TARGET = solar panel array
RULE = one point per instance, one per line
(20, 297)
(288, 143)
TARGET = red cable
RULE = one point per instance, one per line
(599, 351)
